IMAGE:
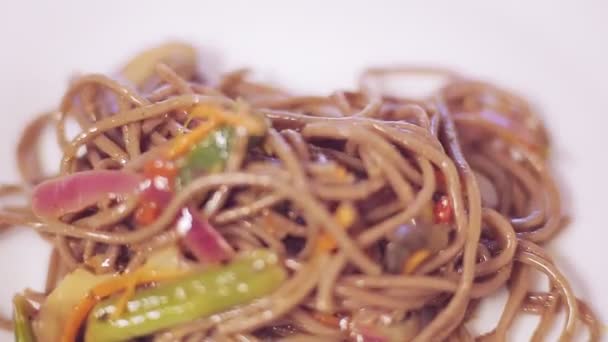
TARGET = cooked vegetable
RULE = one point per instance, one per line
(404, 241)
(443, 210)
(21, 320)
(489, 196)
(169, 259)
(183, 143)
(204, 293)
(67, 194)
(157, 190)
(147, 212)
(60, 303)
(411, 235)
(209, 155)
(180, 56)
(417, 258)
(214, 116)
(345, 215)
(410, 238)
(61, 307)
(239, 115)
(126, 283)
(160, 168)
(201, 238)
(327, 319)
(395, 254)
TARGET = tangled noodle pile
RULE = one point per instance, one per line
(255, 214)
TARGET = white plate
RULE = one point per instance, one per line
(555, 54)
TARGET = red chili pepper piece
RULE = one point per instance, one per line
(146, 213)
(160, 167)
(443, 210)
(160, 176)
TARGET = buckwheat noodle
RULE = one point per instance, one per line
(389, 155)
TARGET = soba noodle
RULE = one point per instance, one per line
(480, 149)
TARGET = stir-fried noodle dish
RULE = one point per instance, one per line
(192, 209)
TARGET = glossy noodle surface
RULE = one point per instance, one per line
(238, 211)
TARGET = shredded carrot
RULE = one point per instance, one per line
(239, 118)
(214, 116)
(341, 173)
(121, 304)
(182, 143)
(204, 110)
(326, 319)
(325, 243)
(126, 282)
(76, 318)
(146, 213)
(415, 260)
(110, 286)
(345, 215)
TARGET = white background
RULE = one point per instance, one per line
(554, 52)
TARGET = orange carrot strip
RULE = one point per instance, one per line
(76, 317)
(415, 260)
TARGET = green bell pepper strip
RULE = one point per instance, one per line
(209, 155)
(198, 295)
(23, 329)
